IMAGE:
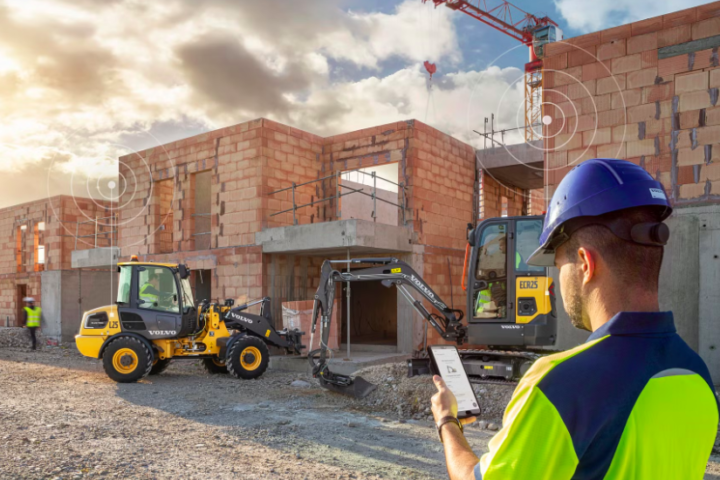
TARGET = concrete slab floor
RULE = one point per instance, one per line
(338, 364)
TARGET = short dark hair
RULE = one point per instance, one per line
(631, 263)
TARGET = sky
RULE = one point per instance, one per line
(83, 82)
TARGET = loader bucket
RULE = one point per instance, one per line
(358, 388)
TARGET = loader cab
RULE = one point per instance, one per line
(155, 300)
(504, 293)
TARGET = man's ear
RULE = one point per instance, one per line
(587, 264)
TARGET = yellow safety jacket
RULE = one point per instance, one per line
(484, 297)
(33, 316)
(146, 295)
(602, 410)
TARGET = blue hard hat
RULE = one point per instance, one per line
(596, 187)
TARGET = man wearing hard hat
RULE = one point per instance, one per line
(32, 318)
(634, 401)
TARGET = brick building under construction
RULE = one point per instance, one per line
(255, 208)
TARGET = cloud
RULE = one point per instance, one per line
(457, 107)
(222, 71)
(87, 82)
(588, 16)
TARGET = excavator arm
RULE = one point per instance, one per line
(390, 272)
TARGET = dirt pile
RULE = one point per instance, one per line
(410, 397)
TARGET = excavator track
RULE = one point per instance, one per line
(491, 381)
(498, 367)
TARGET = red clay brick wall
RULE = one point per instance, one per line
(497, 199)
(621, 100)
(60, 215)
(290, 156)
(360, 149)
(442, 181)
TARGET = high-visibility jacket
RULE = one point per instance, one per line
(484, 296)
(149, 293)
(33, 316)
(634, 402)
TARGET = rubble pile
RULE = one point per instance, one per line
(19, 337)
(410, 397)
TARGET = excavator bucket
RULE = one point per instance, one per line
(358, 387)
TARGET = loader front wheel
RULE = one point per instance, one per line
(248, 358)
(127, 360)
(213, 365)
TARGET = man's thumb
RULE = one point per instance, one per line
(439, 383)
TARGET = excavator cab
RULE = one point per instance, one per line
(509, 303)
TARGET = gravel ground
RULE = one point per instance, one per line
(61, 417)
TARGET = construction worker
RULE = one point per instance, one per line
(489, 299)
(150, 291)
(601, 410)
(33, 316)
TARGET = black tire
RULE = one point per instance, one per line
(213, 365)
(242, 359)
(159, 366)
(127, 349)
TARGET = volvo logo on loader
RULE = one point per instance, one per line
(240, 317)
(162, 332)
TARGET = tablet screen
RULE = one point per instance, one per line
(447, 360)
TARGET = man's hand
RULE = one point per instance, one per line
(444, 403)
(461, 460)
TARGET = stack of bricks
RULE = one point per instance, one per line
(646, 92)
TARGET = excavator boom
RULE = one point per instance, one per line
(390, 272)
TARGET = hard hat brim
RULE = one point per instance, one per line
(542, 257)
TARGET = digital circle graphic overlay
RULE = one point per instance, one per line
(560, 117)
(107, 199)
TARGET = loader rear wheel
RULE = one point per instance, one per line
(159, 366)
(213, 365)
(248, 358)
(127, 360)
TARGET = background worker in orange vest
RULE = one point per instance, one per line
(32, 319)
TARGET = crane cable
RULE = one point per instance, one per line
(430, 67)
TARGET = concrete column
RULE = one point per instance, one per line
(410, 326)
(51, 303)
(680, 278)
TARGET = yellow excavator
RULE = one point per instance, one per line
(155, 320)
(510, 305)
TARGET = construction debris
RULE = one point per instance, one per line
(410, 397)
(19, 337)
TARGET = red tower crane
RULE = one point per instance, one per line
(525, 27)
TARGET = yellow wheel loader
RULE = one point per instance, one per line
(156, 320)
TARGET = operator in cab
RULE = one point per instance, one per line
(601, 410)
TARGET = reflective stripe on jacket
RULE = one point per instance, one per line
(33, 316)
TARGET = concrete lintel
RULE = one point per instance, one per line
(95, 257)
(359, 236)
(519, 165)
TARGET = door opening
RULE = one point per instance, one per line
(21, 294)
(202, 285)
(373, 314)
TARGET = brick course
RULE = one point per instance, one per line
(663, 112)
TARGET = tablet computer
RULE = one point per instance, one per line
(446, 363)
